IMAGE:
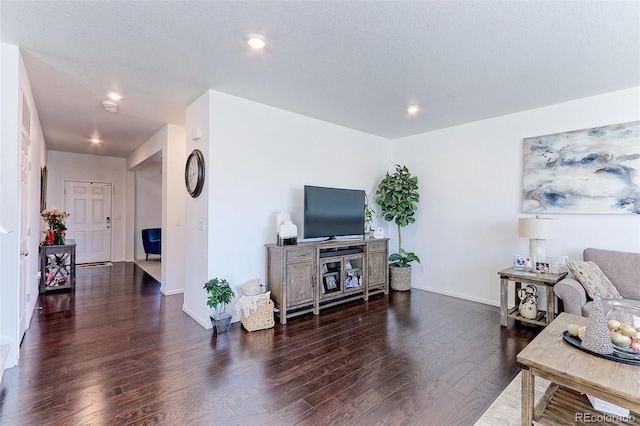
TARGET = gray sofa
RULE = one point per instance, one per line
(622, 269)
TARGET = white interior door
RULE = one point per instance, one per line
(24, 233)
(89, 222)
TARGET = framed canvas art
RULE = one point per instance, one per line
(585, 171)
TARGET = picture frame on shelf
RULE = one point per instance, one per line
(347, 264)
(352, 280)
(543, 266)
(325, 269)
(330, 283)
(521, 262)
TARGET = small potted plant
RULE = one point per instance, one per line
(220, 294)
(397, 195)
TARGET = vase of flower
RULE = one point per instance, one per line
(59, 237)
(55, 218)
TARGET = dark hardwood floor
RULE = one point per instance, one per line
(118, 352)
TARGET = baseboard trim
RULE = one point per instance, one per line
(195, 317)
(4, 354)
(459, 296)
(171, 292)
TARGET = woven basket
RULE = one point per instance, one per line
(400, 277)
(260, 319)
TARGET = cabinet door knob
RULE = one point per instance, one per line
(24, 253)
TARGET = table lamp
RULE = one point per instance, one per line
(537, 230)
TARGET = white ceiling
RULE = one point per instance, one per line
(354, 63)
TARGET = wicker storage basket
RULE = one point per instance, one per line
(400, 277)
(260, 318)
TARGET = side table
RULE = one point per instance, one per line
(547, 280)
(58, 266)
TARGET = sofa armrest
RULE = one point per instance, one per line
(572, 294)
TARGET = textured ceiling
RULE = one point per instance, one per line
(357, 64)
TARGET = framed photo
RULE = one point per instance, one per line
(331, 283)
(347, 264)
(352, 280)
(543, 265)
(521, 262)
(43, 188)
(324, 268)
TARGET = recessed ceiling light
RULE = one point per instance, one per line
(114, 96)
(256, 41)
(413, 109)
(95, 140)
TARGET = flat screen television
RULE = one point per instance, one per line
(333, 212)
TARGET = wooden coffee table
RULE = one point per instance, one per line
(550, 357)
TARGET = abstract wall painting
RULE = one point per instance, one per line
(591, 171)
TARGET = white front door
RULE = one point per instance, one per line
(89, 222)
(24, 232)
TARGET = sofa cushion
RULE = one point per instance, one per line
(593, 279)
(620, 267)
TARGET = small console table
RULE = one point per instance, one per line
(547, 280)
(58, 266)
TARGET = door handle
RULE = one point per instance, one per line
(24, 253)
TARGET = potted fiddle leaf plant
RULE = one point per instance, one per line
(397, 195)
(220, 295)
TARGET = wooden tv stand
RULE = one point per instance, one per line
(308, 277)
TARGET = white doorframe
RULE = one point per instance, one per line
(23, 316)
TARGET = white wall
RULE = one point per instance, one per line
(168, 144)
(196, 226)
(258, 160)
(470, 179)
(173, 211)
(14, 80)
(148, 210)
(97, 168)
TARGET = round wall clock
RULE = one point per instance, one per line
(194, 173)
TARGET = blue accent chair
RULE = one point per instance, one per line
(151, 240)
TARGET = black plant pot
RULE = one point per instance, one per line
(222, 324)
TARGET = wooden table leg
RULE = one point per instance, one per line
(504, 289)
(527, 395)
(517, 287)
(551, 306)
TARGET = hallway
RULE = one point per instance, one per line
(152, 267)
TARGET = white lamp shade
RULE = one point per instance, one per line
(537, 228)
